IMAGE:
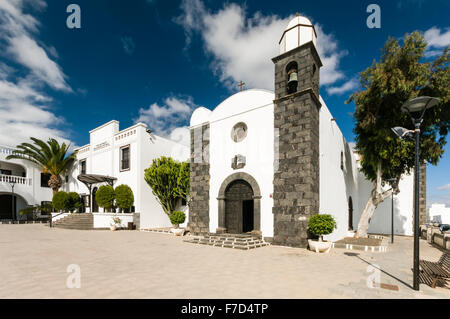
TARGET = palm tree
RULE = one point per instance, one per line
(50, 156)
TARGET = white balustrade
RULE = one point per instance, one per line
(6, 150)
(15, 179)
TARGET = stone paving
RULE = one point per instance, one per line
(133, 264)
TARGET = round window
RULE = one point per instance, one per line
(239, 132)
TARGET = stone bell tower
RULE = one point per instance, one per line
(296, 113)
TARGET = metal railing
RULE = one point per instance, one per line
(15, 179)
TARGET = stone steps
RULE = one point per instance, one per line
(83, 221)
(237, 241)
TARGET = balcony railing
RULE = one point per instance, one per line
(15, 179)
(6, 150)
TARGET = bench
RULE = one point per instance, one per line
(433, 273)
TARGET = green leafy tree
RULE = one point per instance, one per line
(321, 225)
(60, 201)
(124, 197)
(105, 196)
(401, 74)
(183, 180)
(169, 181)
(74, 202)
(177, 218)
(51, 157)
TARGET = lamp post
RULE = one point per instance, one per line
(12, 183)
(416, 106)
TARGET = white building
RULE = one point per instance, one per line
(438, 213)
(121, 155)
(23, 179)
(260, 159)
(124, 155)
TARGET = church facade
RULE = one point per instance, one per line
(264, 162)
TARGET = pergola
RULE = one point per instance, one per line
(91, 179)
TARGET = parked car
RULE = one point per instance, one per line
(444, 228)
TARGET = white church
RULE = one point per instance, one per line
(264, 162)
(261, 162)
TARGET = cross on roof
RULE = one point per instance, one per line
(241, 84)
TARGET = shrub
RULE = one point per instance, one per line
(124, 196)
(105, 196)
(60, 200)
(177, 218)
(169, 180)
(74, 201)
(321, 225)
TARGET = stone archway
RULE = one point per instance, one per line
(241, 191)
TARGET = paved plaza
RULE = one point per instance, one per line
(133, 264)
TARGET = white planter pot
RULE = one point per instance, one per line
(177, 231)
(319, 246)
(113, 227)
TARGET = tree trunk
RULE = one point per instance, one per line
(375, 199)
(55, 182)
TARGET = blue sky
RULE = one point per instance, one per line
(155, 61)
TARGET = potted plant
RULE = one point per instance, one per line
(320, 225)
(116, 222)
(177, 218)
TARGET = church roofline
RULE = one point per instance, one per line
(236, 114)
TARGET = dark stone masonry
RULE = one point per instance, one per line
(199, 181)
(296, 182)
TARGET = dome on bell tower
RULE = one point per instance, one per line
(299, 31)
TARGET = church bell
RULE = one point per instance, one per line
(293, 77)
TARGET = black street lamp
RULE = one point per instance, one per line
(416, 106)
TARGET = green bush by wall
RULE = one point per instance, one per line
(105, 196)
(124, 197)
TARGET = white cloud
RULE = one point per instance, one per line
(181, 135)
(16, 31)
(443, 187)
(437, 38)
(242, 47)
(168, 119)
(347, 86)
(25, 110)
(24, 113)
